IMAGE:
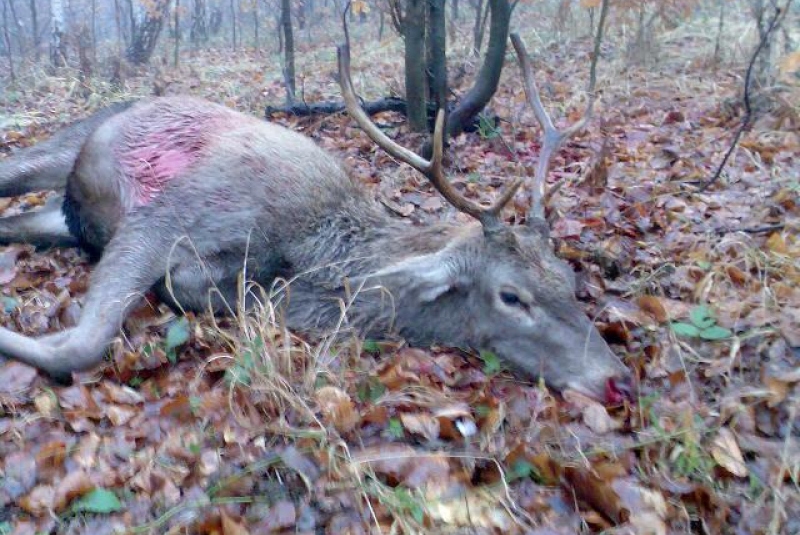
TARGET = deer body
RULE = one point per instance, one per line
(183, 196)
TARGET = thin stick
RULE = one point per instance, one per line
(748, 110)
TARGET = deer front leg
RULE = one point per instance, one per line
(133, 262)
(44, 227)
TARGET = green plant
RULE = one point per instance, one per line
(402, 502)
(486, 127)
(395, 429)
(370, 390)
(98, 501)
(491, 364)
(177, 335)
(702, 324)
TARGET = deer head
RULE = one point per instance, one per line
(517, 298)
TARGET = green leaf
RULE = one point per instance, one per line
(5, 528)
(715, 333)
(371, 346)
(395, 428)
(99, 501)
(177, 334)
(370, 390)
(521, 469)
(417, 513)
(701, 317)
(482, 410)
(9, 305)
(491, 364)
(685, 329)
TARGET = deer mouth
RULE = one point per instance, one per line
(612, 391)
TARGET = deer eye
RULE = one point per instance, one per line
(510, 298)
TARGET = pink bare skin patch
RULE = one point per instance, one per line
(160, 147)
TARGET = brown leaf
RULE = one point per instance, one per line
(726, 452)
(477, 508)
(652, 306)
(231, 526)
(337, 408)
(567, 228)
(73, 486)
(119, 414)
(402, 464)
(39, 501)
(422, 424)
(282, 515)
(597, 491)
(16, 378)
(776, 243)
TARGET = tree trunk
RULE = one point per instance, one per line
(35, 29)
(416, 90)
(198, 32)
(215, 21)
(176, 52)
(288, 49)
(233, 22)
(301, 14)
(454, 16)
(256, 26)
(17, 27)
(94, 30)
(118, 23)
(58, 49)
(720, 27)
(7, 41)
(436, 42)
(481, 16)
(489, 76)
(146, 32)
(279, 31)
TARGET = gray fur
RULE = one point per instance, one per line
(261, 189)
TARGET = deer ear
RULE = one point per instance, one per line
(428, 276)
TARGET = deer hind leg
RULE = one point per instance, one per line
(44, 227)
(134, 260)
(200, 284)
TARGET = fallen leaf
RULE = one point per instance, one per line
(337, 408)
(726, 452)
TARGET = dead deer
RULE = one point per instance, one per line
(182, 196)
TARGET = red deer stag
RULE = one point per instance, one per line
(182, 196)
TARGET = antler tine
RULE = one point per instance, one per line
(371, 129)
(433, 169)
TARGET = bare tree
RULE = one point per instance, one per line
(58, 49)
(146, 26)
(198, 31)
(437, 59)
(7, 42)
(489, 75)
(233, 22)
(288, 50)
(409, 18)
(176, 52)
(35, 29)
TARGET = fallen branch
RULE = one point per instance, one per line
(302, 109)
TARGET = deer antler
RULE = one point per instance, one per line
(553, 137)
(489, 216)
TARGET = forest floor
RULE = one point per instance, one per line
(232, 425)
